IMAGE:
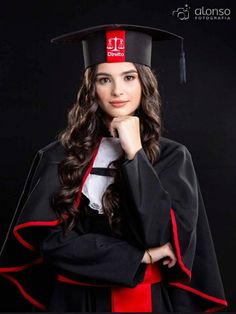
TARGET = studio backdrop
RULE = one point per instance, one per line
(39, 82)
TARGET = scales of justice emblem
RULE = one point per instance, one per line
(115, 44)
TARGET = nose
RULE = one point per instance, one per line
(117, 89)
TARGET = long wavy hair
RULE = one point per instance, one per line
(86, 124)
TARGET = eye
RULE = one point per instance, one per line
(103, 80)
(129, 77)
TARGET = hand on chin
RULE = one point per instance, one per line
(127, 128)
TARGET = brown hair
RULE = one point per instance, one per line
(85, 126)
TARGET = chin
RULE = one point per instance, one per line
(121, 112)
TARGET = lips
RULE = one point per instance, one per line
(118, 103)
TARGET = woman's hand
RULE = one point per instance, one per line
(128, 130)
(165, 252)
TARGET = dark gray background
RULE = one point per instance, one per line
(39, 82)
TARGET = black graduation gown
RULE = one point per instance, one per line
(159, 203)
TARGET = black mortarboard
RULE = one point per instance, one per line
(120, 43)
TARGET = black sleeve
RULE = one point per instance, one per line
(94, 257)
(30, 182)
(160, 204)
(145, 203)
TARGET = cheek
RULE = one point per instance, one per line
(101, 93)
(136, 92)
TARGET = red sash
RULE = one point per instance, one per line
(137, 299)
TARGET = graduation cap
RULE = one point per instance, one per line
(120, 43)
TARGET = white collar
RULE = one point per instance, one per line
(95, 185)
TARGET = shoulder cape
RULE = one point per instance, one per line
(164, 204)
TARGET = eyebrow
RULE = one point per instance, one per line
(123, 73)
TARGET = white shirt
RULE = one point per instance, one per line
(95, 185)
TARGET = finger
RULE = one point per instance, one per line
(166, 261)
(172, 263)
(113, 129)
(114, 132)
(170, 259)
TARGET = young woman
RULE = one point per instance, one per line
(111, 218)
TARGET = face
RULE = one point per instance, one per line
(118, 88)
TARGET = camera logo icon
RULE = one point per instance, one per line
(182, 13)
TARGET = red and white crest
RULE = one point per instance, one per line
(115, 46)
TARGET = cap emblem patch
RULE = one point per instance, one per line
(115, 46)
